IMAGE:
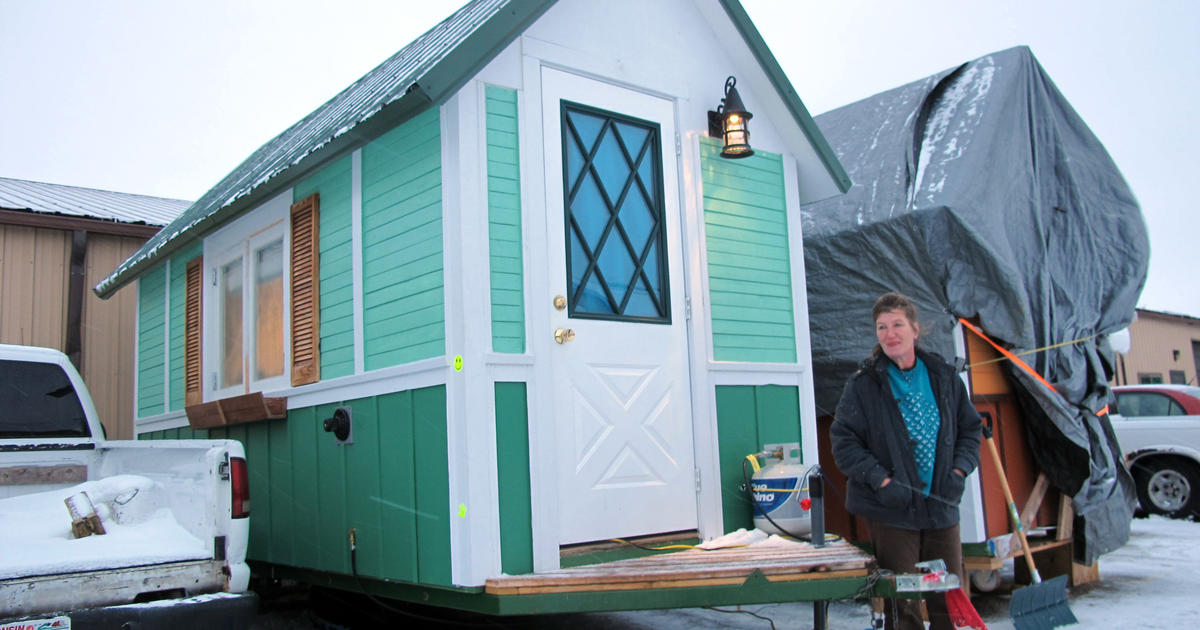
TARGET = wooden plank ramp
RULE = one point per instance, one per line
(695, 567)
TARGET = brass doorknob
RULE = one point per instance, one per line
(563, 335)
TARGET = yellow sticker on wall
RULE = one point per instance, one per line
(458, 362)
(462, 510)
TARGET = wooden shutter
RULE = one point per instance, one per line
(306, 294)
(193, 390)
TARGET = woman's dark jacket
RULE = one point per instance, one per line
(871, 443)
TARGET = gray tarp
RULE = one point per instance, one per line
(979, 192)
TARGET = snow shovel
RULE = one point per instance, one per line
(1041, 605)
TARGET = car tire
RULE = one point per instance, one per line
(1168, 485)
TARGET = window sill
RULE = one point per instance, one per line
(252, 407)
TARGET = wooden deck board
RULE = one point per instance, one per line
(693, 568)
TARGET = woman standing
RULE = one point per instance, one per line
(906, 436)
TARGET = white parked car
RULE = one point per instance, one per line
(1158, 427)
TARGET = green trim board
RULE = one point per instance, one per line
(403, 284)
(749, 416)
(749, 262)
(151, 342)
(333, 183)
(176, 317)
(512, 464)
(504, 221)
(390, 485)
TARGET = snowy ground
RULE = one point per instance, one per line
(1150, 583)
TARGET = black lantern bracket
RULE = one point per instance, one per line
(730, 123)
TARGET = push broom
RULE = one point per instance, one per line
(1041, 605)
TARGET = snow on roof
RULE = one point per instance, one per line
(18, 194)
(422, 74)
(426, 69)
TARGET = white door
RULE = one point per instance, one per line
(621, 385)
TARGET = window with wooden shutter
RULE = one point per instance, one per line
(193, 391)
(306, 303)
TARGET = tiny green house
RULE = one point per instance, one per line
(514, 256)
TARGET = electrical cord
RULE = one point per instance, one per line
(743, 612)
(664, 547)
(758, 508)
(403, 613)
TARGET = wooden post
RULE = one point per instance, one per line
(84, 520)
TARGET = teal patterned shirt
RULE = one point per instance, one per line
(914, 395)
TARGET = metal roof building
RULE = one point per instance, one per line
(74, 201)
(55, 241)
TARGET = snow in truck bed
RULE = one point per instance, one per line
(35, 530)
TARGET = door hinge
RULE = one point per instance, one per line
(214, 381)
(678, 145)
(687, 307)
(697, 470)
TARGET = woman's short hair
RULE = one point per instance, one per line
(894, 302)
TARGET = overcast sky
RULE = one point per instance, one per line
(165, 98)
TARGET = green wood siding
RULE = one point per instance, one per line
(749, 267)
(403, 298)
(151, 342)
(333, 184)
(391, 485)
(512, 457)
(749, 416)
(175, 317)
(504, 222)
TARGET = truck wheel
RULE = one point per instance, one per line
(1169, 486)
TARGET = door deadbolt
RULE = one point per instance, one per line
(560, 302)
(563, 335)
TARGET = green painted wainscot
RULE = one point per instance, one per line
(390, 485)
(749, 416)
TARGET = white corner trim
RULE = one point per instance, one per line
(167, 336)
(356, 258)
(808, 397)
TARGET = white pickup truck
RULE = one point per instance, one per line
(174, 514)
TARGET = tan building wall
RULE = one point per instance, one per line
(1162, 346)
(35, 264)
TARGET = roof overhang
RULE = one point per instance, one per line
(432, 87)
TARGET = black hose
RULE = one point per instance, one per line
(405, 613)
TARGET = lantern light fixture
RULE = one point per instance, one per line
(729, 123)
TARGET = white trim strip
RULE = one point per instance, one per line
(808, 398)
(718, 367)
(356, 258)
(167, 337)
(417, 375)
(160, 422)
(424, 373)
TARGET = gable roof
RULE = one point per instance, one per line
(90, 203)
(424, 73)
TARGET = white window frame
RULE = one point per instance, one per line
(239, 238)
